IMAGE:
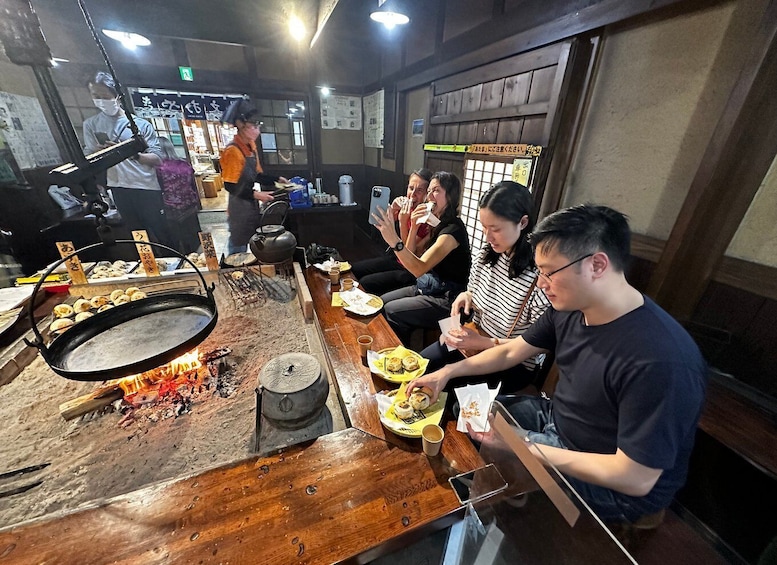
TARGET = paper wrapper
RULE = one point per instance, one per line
(377, 363)
(474, 406)
(409, 427)
(429, 218)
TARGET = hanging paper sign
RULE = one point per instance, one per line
(193, 107)
(180, 106)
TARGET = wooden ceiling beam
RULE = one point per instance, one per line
(740, 151)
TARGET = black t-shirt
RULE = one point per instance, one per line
(636, 383)
(456, 265)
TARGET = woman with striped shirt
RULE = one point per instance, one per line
(501, 290)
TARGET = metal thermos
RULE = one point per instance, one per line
(346, 190)
(319, 185)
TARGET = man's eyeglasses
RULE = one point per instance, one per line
(547, 276)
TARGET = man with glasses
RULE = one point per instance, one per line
(623, 417)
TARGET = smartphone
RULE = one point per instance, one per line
(478, 484)
(379, 199)
(102, 137)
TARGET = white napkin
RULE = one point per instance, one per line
(429, 218)
(474, 406)
(448, 324)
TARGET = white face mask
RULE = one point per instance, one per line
(108, 107)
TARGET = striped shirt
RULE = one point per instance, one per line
(497, 299)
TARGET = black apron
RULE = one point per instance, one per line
(243, 214)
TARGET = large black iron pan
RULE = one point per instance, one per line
(130, 338)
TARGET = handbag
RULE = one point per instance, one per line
(473, 326)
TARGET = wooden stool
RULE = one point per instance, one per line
(209, 187)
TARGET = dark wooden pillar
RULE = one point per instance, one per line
(738, 156)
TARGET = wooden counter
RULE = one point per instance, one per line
(350, 496)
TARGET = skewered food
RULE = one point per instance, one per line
(63, 310)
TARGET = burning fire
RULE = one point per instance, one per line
(186, 363)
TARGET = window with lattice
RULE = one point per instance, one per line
(479, 176)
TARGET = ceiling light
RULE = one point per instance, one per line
(128, 39)
(325, 90)
(296, 28)
(390, 14)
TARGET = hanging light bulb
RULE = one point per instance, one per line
(389, 15)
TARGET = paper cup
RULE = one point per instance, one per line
(347, 284)
(365, 342)
(432, 436)
(334, 275)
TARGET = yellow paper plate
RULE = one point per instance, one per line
(411, 427)
(379, 367)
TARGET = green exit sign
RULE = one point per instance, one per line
(186, 73)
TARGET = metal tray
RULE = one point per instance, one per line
(132, 338)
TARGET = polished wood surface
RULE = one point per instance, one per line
(344, 495)
(350, 496)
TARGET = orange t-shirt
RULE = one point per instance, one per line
(233, 159)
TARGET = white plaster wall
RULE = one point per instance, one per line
(756, 239)
(659, 90)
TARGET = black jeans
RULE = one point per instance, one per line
(382, 274)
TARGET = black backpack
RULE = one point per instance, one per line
(316, 253)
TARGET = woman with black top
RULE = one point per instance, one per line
(441, 271)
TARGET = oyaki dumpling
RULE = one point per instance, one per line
(403, 410)
(99, 301)
(63, 310)
(410, 363)
(116, 293)
(82, 305)
(104, 307)
(60, 325)
(81, 316)
(419, 401)
(121, 299)
(394, 365)
(131, 290)
(137, 295)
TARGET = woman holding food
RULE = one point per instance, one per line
(440, 271)
(382, 274)
(502, 292)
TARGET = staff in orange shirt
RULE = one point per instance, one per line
(240, 169)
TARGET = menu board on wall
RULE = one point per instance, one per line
(26, 132)
(373, 120)
(341, 112)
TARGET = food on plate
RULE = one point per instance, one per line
(116, 293)
(104, 307)
(106, 269)
(99, 301)
(410, 363)
(121, 299)
(419, 400)
(81, 316)
(131, 290)
(119, 265)
(63, 310)
(82, 305)
(394, 365)
(403, 410)
(137, 295)
(60, 325)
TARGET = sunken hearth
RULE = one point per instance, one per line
(153, 434)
